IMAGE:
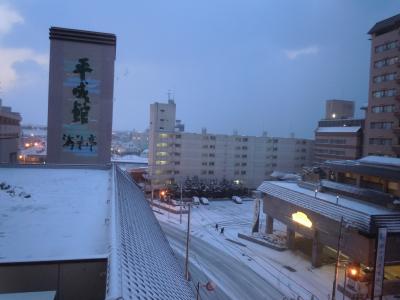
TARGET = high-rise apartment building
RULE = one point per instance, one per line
(175, 155)
(10, 131)
(382, 129)
(81, 83)
(339, 135)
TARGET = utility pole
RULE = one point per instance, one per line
(187, 245)
(337, 260)
(180, 217)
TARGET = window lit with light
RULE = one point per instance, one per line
(161, 162)
(161, 153)
(162, 145)
(163, 135)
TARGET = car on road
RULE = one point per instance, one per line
(237, 199)
(204, 201)
(195, 200)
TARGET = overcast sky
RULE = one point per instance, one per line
(248, 65)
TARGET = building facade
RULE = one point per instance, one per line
(349, 210)
(382, 130)
(339, 135)
(10, 131)
(175, 155)
(81, 83)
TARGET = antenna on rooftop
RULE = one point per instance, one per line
(170, 95)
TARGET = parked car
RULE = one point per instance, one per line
(237, 199)
(195, 200)
(204, 201)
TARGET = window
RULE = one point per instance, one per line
(163, 135)
(212, 146)
(386, 62)
(205, 146)
(162, 145)
(162, 120)
(177, 145)
(211, 163)
(204, 163)
(178, 136)
(237, 164)
(383, 108)
(243, 172)
(212, 138)
(245, 139)
(337, 152)
(210, 172)
(244, 148)
(161, 153)
(162, 110)
(204, 172)
(211, 155)
(322, 141)
(381, 125)
(244, 156)
(380, 141)
(385, 77)
(177, 163)
(384, 93)
(386, 46)
(244, 164)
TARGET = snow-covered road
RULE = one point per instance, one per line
(231, 276)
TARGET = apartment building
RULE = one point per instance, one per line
(382, 129)
(10, 131)
(339, 135)
(175, 155)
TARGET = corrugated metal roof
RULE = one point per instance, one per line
(361, 220)
(141, 264)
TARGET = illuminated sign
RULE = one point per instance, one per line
(301, 218)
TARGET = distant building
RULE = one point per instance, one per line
(339, 135)
(33, 146)
(382, 129)
(339, 109)
(175, 155)
(10, 131)
(81, 86)
(358, 208)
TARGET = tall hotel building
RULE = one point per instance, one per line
(382, 129)
(175, 155)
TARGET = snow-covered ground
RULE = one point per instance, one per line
(305, 281)
(53, 214)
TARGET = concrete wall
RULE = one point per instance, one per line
(78, 280)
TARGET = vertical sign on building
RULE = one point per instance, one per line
(380, 263)
(81, 84)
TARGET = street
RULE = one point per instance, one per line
(233, 279)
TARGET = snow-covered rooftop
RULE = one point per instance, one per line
(341, 129)
(141, 263)
(381, 160)
(134, 159)
(53, 214)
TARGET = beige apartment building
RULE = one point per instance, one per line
(10, 131)
(175, 155)
(382, 130)
(339, 135)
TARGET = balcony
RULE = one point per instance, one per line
(397, 98)
(397, 114)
